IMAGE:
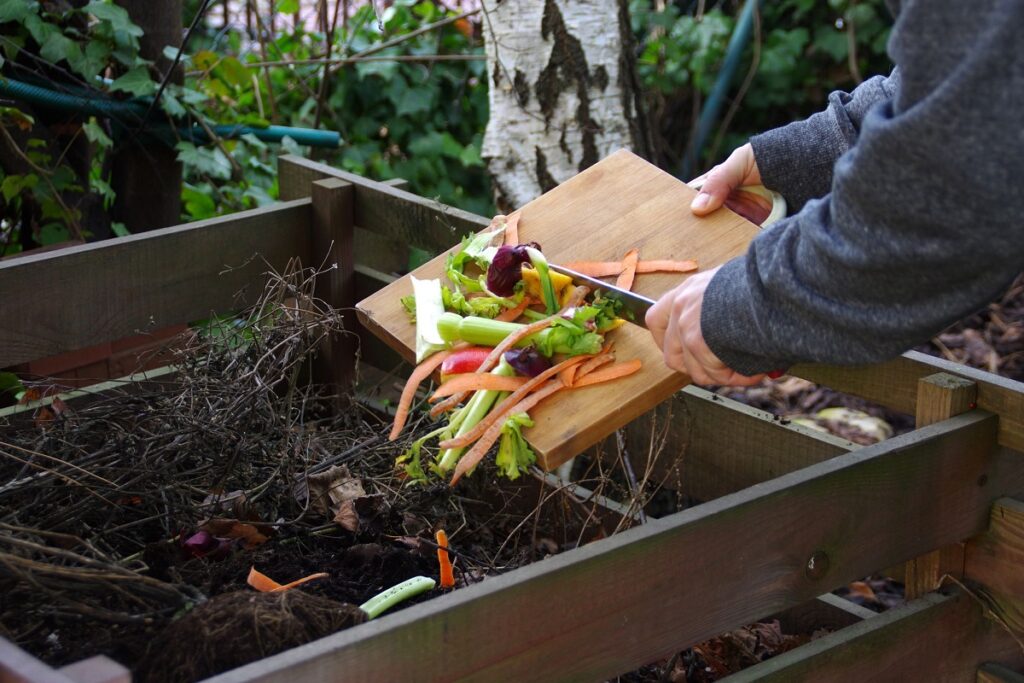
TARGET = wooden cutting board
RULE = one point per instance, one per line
(616, 204)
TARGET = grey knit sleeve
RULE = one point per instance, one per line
(920, 224)
(796, 160)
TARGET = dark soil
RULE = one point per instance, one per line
(241, 627)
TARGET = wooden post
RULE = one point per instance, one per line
(146, 176)
(332, 252)
(939, 397)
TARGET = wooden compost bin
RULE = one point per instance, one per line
(791, 514)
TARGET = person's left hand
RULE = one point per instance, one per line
(674, 321)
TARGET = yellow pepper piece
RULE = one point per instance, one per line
(532, 279)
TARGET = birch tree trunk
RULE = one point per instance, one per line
(563, 92)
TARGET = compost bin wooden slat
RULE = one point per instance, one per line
(936, 638)
(996, 558)
(333, 256)
(894, 385)
(18, 666)
(714, 445)
(613, 605)
(384, 209)
(93, 293)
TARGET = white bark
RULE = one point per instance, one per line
(560, 97)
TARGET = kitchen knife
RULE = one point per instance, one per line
(634, 306)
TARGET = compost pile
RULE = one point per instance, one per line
(128, 512)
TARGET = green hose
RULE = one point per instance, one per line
(129, 112)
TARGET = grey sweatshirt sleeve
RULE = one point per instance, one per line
(922, 221)
(796, 160)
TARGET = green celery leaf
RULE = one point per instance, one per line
(514, 454)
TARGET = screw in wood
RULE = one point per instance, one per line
(817, 565)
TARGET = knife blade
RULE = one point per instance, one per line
(634, 306)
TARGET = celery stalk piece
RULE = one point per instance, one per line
(390, 597)
(429, 307)
(547, 287)
(564, 337)
(475, 410)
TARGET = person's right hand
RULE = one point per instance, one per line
(721, 184)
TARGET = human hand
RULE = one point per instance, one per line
(721, 186)
(674, 322)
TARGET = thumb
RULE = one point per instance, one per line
(717, 186)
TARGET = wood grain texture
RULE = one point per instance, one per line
(85, 295)
(894, 384)
(332, 253)
(939, 397)
(937, 638)
(613, 605)
(619, 203)
(384, 209)
(705, 446)
(995, 559)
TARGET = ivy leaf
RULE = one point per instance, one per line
(56, 47)
(92, 60)
(414, 100)
(119, 229)
(171, 104)
(116, 15)
(234, 72)
(288, 6)
(95, 133)
(104, 190)
(13, 185)
(199, 205)
(39, 30)
(211, 162)
(16, 10)
(136, 82)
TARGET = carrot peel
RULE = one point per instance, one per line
(447, 575)
(629, 264)
(422, 371)
(265, 584)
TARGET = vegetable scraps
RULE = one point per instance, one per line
(506, 333)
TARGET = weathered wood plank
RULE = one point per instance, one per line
(939, 396)
(825, 611)
(387, 210)
(894, 385)
(713, 445)
(936, 638)
(94, 293)
(332, 253)
(610, 606)
(98, 669)
(18, 666)
(995, 559)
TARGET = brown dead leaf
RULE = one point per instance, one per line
(347, 517)
(330, 490)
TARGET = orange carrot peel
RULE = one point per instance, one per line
(444, 562)
(629, 264)
(506, 407)
(614, 268)
(422, 371)
(475, 381)
(265, 584)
